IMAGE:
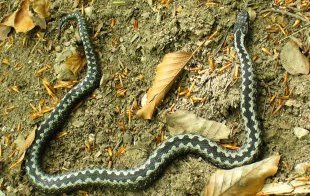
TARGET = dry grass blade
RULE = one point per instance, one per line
(245, 180)
(185, 121)
(166, 73)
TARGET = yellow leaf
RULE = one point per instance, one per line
(75, 63)
(245, 180)
(41, 7)
(184, 121)
(166, 73)
(23, 19)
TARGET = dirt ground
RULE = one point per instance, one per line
(133, 51)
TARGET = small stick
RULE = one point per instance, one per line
(285, 13)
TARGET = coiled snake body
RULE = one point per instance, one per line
(145, 174)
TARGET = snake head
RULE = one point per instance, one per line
(242, 22)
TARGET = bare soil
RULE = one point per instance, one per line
(134, 51)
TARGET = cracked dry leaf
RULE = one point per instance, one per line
(41, 7)
(75, 63)
(242, 181)
(185, 121)
(294, 187)
(23, 18)
(166, 73)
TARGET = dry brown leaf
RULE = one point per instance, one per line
(166, 73)
(41, 7)
(23, 19)
(9, 20)
(286, 188)
(75, 63)
(242, 181)
(185, 121)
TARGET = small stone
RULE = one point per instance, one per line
(127, 138)
(252, 14)
(78, 123)
(301, 168)
(300, 132)
(293, 61)
(57, 48)
(144, 100)
(293, 103)
(89, 11)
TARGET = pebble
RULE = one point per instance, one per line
(252, 14)
(127, 138)
(301, 168)
(78, 123)
(89, 11)
(300, 132)
(144, 100)
(293, 61)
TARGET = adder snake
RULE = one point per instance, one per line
(143, 175)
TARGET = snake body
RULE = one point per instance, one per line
(143, 175)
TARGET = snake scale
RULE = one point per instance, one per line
(143, 175)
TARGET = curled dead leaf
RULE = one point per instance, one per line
(185, 121)
(245, 180)
(41, 7)
(23, 18)
(166, 73)
(75, 63)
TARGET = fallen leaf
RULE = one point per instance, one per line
(23, 19)
(294, 61)
(245, 180)
(184, 121)
(166, 73)
(75, 63)
(286, 188)
(41, 7)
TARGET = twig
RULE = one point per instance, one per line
(285, 13)
(305, 27)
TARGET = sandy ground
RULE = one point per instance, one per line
(134, 52)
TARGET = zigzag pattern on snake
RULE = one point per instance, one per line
(143, 175)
